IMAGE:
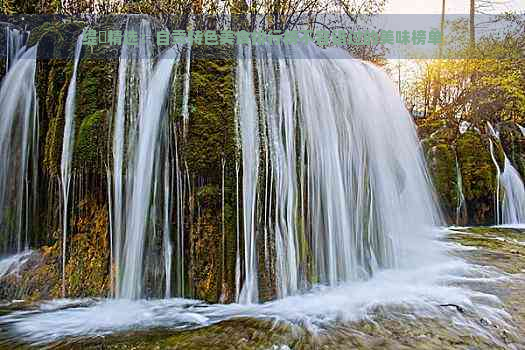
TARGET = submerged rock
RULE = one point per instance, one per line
(455, 326)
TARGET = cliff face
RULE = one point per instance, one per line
(207, 157)
(210, 152)
(460, 165)
(449, 151)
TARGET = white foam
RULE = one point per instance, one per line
(417, 291)
(11, 264)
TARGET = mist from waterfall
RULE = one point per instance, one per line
(348, 193)
(18, 151)
(67, 152)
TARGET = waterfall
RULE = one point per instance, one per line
(522, 130)
(137, 221)
(11, 264)
(167, 207)
(186, 89)
(351, 193)
(459, 192)
(248, 123)
(133, 76)
(237, 236)
(67, 152)
(513, 201)
(18, 151)
(513, 205)
(498, 175)
(180, 196)
(15, 40)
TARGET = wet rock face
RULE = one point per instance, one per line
(513, 143)
(441, 166)
(443, 148)
(17, 282)
(479, 177)
(87, 267)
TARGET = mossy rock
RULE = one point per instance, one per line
(210, 140)
(91, 144)
(428, 127)
(211, 131)
(88, 265)
(56, 38)
(513, 143)
(500, 247)
(52, 86)
(479, 177)
(439, 147)
(441, 160)
(207, 247)
(95, 84)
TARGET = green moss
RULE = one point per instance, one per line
(442, 166)
(88, 266)
(52, 83)
(426, 127)
(479, 177)
(209, 141)
(513, 143)
(211, 133)
(207, 251)
(500, 247)
(56, 39)
(91, 143)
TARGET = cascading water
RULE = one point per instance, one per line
(341, 194)
(135, 67)
(237, 238)
(513, 206)
(366, 188)
(459, 193)
(132, 235)
(137, 222)
(186, 88)
(513, 200)
(167, 207)
(522, 130)
(67, 152)
(180, 205)
(248, 125)
(15, 41)
(18, 145)
(11, 264)
(498, 175)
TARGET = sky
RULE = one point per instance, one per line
(434, 7)
(452, 6)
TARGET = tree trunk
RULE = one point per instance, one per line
(472, 24)
(437, 81)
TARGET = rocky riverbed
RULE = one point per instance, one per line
(493, 317)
